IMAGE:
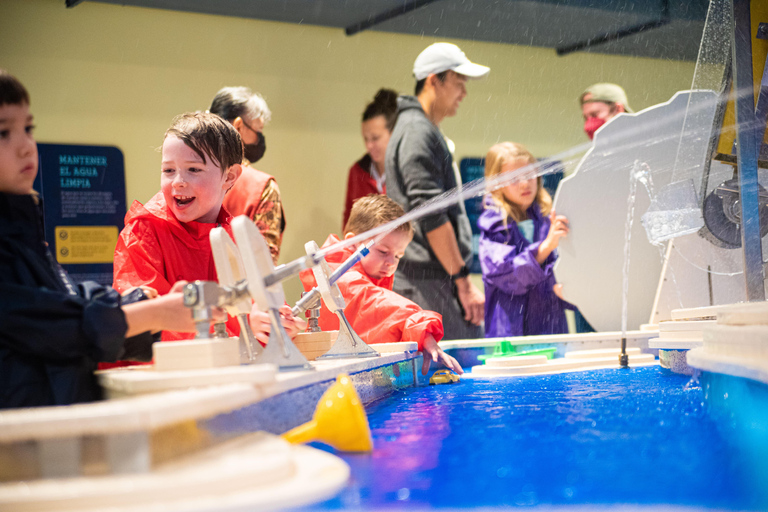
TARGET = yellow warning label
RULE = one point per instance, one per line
(85, 244)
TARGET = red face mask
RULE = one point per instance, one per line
(591, 126)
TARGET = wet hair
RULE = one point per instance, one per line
(504, 153)
(208, 134)
(420, 83)
(383, 104)
(12, 92)
(233, 102)
(372, 211)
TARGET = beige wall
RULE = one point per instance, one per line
(105, 74)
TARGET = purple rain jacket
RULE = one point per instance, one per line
(519, 299)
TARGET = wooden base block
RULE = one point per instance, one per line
(314, 344)
(399, 346)
(195, 354)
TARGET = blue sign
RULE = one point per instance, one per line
(83, 191)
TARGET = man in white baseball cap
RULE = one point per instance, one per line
(441, 73)
(440, 57)
(419, 166)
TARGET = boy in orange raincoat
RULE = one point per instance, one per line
(376, 313)
(167, 240)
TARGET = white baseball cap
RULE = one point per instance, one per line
(439, 57)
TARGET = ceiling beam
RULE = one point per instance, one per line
(618, 34)
(375, 19)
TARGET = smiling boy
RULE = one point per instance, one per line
(167, 239)
(377, 314)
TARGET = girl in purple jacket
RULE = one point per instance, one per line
(519, 235)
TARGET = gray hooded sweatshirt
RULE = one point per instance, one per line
(419, 167)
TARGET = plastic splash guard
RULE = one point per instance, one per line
(637, 437)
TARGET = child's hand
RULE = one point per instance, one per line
(292, 324)
(150, 292)
(217, 314)
(558, 289)
(431, 351)
(164, 313)
(261, 326)
(558, 228)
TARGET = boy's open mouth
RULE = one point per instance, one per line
(183, 200)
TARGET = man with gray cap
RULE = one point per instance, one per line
(419, 166)
(601, 102)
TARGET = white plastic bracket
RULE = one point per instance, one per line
(348, 343)
(230, 271)
(257, 263)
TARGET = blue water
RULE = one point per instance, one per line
(605, 437)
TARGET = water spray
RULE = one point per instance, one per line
(619, 143)
(309, 299)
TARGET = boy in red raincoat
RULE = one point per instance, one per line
(167, 240)
(377, 314)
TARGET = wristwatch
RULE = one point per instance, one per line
(463, 272)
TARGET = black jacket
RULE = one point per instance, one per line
(52, 332)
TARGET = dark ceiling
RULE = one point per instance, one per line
(664, 29)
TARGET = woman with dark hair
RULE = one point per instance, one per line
(255, 193)
(366, 176)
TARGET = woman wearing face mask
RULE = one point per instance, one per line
(366, 176)
(255, 193)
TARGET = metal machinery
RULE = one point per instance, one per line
(736, 212)
(246, 273)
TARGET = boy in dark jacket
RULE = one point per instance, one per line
(53, 332)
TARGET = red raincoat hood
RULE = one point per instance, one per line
(191, 233)
(155, 249)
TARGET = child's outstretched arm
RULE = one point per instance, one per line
(433, 353)
(164, 313)
(558, 228)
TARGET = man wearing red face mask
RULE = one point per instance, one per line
(601, 102)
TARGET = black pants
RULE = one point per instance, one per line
(438, 295)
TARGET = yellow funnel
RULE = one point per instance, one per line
(339, 420)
